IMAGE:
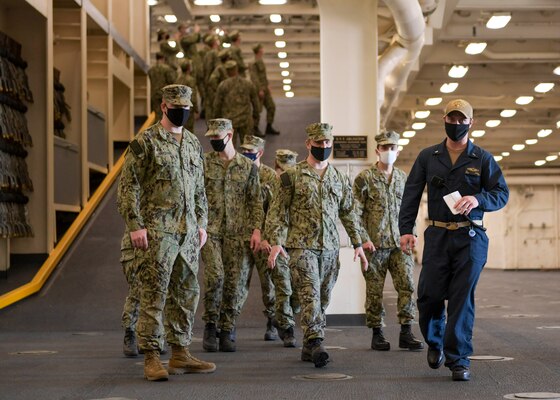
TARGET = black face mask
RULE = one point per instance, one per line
(219, 144)
(456, 132)
(178, 116)
(321, 153)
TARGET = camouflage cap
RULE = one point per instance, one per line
(234, 35)
(388, 137)
(210, 39)
(459, 105)
(253, 143)
(319, 131)
(230, 64)
(224, 53)
(219, 126)
(179, 95)
(257, 47)
(285, 158)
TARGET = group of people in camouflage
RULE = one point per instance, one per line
(204, 70)
(238, 213)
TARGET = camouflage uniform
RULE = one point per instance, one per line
(259, 79)
(308, 206)
(188, 44)
(378, 202)
(160, 75)
(237, 100)
(132, 302)
(188, 80)
(170, 54)
(235, 210)
(236, 54)
(218, 75)
(162, 190)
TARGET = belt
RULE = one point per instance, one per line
(453, 226)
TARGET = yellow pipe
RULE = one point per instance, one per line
(64, 244)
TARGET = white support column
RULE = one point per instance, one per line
(349, 103)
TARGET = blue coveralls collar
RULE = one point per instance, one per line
(471, 152)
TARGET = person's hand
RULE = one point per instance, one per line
(265, 247)
(274, 251)
(466, 204)
(139, 239)
(255, 240)
(368, 246)
(408, 243)
(202, 237)
(359, 253)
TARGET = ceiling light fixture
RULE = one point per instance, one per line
(478, 133)
(226, 45)
(531, 142)
(279, 32)
(284, 64)
(275, 18)
(524, 100)
(475, 48)
(290, 94)
(458, 71)
(272, 2)
(556, 70)
(170, 18)
(400, 148)
(492, 123)
(180, 55)
(409, 134)
(448, 87)
(544, 133)
(286, 88)
(544, 87)
(422, 114)
(540, 163)
(285, 73)
(498, 158)
(152, 3)
(498, 20)
(508, 113)
(282, 54)
(404, 142)
(418, 126)
(280, 44)
(551, 158)
(207, 2)
(287, 81)
(518, 147)
(505, 153)
(433, 101)
(215, 18)
(172, 43)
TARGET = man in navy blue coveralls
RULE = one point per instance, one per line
(455, 250)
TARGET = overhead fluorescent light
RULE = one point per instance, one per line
(404, 142)
(285, 73)
(544, 133)
(287, 81)
(508, 113)
(492, 123)
(498, 158)
(498, 21)
(422, 114)
(433, 101)
(284, 64)
(272, 2)
(409, 134)
(215, 18)
(152, 3)
(531, 142)
(290, 94)
(524, 100)
(557, 124)
(418, 126)
(540, 163)
(400, 148)
(280, 44)
(207, 2)
(478, 133)
(544, 87)
(458, 71)
(282, 54)
(505, 153)
(556, 70)
(448, 87)
(475, 48)
(286, 88)
(518, 147)
(226, 45)
(279, 32)
(275, 18)
(180, 54)
(551, 158)
(172, 43)
(170, 18)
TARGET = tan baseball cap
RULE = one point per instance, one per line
(459, 105)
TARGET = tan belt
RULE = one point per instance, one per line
(452, 226)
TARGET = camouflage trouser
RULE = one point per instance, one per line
(132, 302)
(239, 133)
(401, 267)
(265, 277)
(168, 277)
(155, 102)
(287, 303)
(226, 280)
(268, 103)
(315, 273)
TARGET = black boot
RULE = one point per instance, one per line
(378, 341)
(130, 347)
(258, 132)
(271, 332)
(270, 130)
(210, 341)
(289, 338)
(319, 355)
(227, 341)
(407, 339)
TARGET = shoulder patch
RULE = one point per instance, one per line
(136, 148)
(286, 180)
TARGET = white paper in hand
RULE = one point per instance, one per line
(451, 199)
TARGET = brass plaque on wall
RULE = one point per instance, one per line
(350, 147)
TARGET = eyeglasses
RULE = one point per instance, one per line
(457, 119)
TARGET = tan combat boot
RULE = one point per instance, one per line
(182, 362)
(153, 370)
